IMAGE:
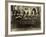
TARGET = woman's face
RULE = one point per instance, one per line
(33, 11)
(16, 8)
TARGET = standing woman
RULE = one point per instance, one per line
(33, 12)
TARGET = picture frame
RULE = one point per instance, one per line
(28, 27)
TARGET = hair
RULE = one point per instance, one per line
(34, 10)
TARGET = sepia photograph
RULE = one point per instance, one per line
(24, 18)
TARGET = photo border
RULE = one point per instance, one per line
(6, 17)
